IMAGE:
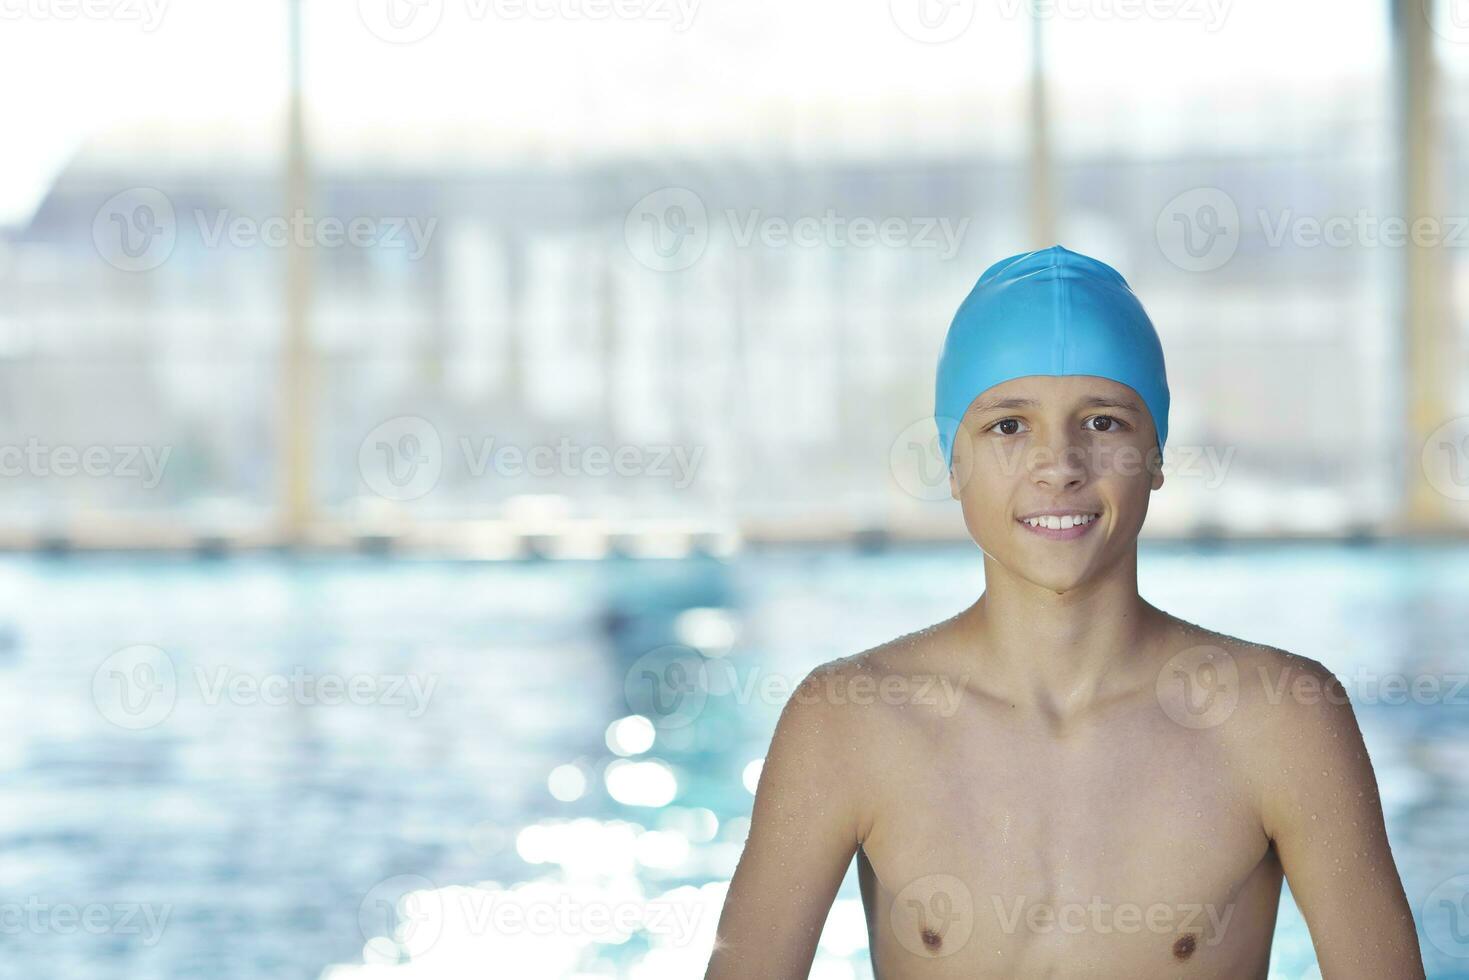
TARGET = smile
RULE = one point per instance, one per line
(1060, 527)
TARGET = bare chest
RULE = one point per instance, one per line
(999, 850)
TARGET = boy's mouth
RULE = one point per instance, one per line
(1060, 527)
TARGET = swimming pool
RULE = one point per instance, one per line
(363, 768)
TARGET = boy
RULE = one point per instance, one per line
(1116, 792)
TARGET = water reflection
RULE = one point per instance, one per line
(568, 792)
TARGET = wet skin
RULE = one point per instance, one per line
(992, 843)
(1124, 844)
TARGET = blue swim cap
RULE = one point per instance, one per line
(1052, 312)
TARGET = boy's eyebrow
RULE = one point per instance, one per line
(1094, 401)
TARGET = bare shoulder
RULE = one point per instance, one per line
(834, 735)
(857, 689)
(1280, 715)
(859, 700)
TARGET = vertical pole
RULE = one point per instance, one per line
(1042, 186)
(295, 424)
(1425, 340)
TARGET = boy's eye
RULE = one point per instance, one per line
(1095, 423)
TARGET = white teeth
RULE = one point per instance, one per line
(1061, 523)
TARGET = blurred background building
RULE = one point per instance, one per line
(296, 294)
(511, 177)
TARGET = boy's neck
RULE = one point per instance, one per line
(1060, 654)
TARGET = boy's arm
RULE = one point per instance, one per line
(804, 829)
(1321, 808)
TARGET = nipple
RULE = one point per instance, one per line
(1184, 948)
(932, 941)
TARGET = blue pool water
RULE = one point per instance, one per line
(363, 769)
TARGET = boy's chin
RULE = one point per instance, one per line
(1056, 576)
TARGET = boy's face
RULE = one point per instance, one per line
(1076, 444)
